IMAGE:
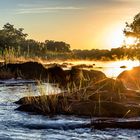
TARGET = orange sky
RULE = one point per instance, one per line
(83, 24)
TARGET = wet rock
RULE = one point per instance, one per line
(104, 109)
(78, 105)
(55, 126)
(85, 108)
(116, 124)
(28, 108)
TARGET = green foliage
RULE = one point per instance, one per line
(11, 37)
(56, 46)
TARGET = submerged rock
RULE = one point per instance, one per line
(102, 124)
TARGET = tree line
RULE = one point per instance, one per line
(14, 40)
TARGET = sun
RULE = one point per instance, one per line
(117, 39)
(115, 36)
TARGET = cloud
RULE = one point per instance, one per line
(53, 6)
(33, 10)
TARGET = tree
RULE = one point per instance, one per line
(11, 37)
(30, 47)
(133, 30)
(56, 46)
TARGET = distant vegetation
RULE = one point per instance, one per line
(13, 42)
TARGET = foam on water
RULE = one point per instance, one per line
(21, 125)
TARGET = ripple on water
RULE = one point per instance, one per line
(20, 125)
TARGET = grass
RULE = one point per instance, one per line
(54, 103)
(99, 91)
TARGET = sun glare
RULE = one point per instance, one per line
(130, 41)
(117, 64)
(115, 37)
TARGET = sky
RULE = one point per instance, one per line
(84, 24)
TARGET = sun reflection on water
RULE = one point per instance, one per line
(110, 68)
(113, 69)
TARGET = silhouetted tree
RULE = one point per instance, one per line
(133, 30)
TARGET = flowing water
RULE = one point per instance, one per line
(20, 125)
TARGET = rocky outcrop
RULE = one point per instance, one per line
(94, 95)
(78, 107)
(84, 102)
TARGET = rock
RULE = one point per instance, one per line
(111, 85)
(74, 78)
(27, 70)
(131, 78)
(77, 78)
(77, 104)
(6, 75)
(123, 67)
(83, 66)
(115, 124)
(56, 75)
(83, 108)
(29, 108)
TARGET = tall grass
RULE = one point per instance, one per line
(54, 102)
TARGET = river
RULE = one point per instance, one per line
(24, 126)
(110, 68)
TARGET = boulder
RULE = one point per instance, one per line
(27, 70)
(77, 78)
(83, 102)
(74, 78)
(67, 106)
(56, 74)
(131, 78)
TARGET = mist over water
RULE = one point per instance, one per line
(111, 68)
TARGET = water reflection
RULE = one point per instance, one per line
(113, 69)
